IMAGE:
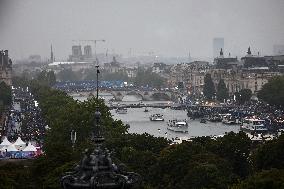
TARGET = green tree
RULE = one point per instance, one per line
(222, 91)
(114, 76)
(90, 74)
(67, 75)
(272, 179)
(5, 94)
(235, 147)
(51, 78)
(207, 171)
(148, 78)
(243, 96)
(270, 155)
(209, 88)
(273, 91)
(46, 78)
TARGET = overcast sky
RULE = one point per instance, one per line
(166, 27)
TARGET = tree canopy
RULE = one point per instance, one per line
(222, 91)
(243, 96)
(209, 88)
(148, 78)
(68, 75)
(46, 78)
(5, 94)
(273, 91)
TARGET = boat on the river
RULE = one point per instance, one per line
(229, 119)
(215, 118)
(178, 126)
(146, 110)
(253, 125)
(203, 120)
(121, 110)
(156, 117)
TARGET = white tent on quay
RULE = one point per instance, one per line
(30, 148)
(3, 149)
(5, 142)
(12, 148)
(19, 142)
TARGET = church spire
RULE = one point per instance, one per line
(249, 52)
(51, 55)
(221, 53)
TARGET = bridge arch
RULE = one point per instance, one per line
(161, 96)
(135, 93)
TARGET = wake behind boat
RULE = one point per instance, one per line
(121, 110)
(178, 126)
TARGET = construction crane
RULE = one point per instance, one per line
(95, 43)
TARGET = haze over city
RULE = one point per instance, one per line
(167, 28)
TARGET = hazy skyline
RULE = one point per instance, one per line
(165, 27)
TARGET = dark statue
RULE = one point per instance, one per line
(96, 169)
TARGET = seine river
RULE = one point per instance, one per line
(139, 120)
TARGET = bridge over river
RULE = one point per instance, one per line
(119, 94)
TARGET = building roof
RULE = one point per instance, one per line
(65, 63)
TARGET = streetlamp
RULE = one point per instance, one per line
(73, 138)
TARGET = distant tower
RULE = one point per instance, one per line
(88, 51)
(249, 52)
(189, 56)
(76, 51)
(218, 43)
(51, 55)
(221, 53)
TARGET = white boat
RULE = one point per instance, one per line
(229, 119)
(156, 117)
(253, 125)
(121, 110)
(178, 126)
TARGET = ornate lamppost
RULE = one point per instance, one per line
(96, 169)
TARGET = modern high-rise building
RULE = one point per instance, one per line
(218, 44)
(278, 49)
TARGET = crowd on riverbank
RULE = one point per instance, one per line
(24, 127)
(273, 116)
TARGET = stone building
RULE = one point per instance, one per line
(251, 61)
(159, 67)
(194, 76)
(177, 74)
(112, 67)
(5, 68)
(222, 62)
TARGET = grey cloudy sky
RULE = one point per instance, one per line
(166, 27)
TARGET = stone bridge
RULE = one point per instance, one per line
(145, 95)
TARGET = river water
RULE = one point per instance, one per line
(140, 123)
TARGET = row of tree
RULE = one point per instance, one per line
(5, 96)
(209, 90)
(273, 92)
(222, 92)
